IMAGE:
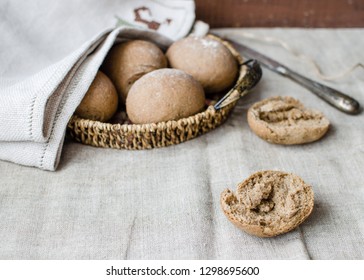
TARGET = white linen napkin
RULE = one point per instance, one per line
(35, 108)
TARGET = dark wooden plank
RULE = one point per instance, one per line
(281, 13)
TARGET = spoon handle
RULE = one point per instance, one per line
(334, 97)
(337, 99)
(250, 75)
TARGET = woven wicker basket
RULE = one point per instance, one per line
(162, 134)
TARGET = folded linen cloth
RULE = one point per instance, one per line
(35, 110)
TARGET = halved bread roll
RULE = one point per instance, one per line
(284, 120)
(268, 203)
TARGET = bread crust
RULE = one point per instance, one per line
(205, 59)
(100, 101)
(163, 95)
(268, 203)
(284, 120)
(127, 62)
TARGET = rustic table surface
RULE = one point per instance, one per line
(282, 13)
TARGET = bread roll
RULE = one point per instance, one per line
(284, 120)
(163, 95)
(207, 60)
(101, 100)
(268, 203)
(127, 62)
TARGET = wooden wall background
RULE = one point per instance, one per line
(281, 13)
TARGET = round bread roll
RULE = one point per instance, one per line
(163, 95)
(207, 60)
(268, 203)
(101, 100)
(127, 62)
(284, 120)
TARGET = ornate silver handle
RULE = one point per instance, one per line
(332, 96)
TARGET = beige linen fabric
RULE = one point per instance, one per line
(164, 203)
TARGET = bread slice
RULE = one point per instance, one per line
(284, 120)
(268, 203)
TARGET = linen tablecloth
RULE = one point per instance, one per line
(164, 203)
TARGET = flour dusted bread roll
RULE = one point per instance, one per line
(284, 120)
(163, 95)
(101, 100)
(207, 60)
(127, 62)
(268, 203)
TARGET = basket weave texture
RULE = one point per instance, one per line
(153, 135)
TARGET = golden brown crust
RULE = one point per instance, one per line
(101, 100)
(207, 60)
(284, 120)
(127, 62)
(268, 203)
(163, 95)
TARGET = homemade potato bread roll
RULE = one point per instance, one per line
(101, 100)
(207, 60)
(128, 61)
(284, 120)
(163, 95)
(268, 203)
